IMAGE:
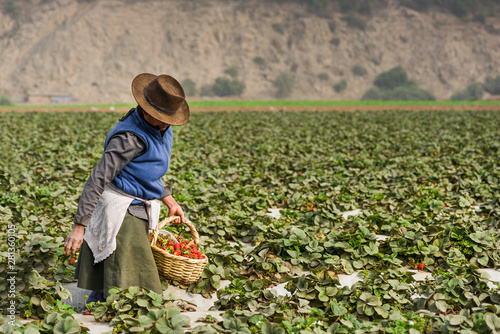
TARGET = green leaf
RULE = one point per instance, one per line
(211, 268)
(132, 292)
(179, 320)
(171, 311)
(125, 308)
(257, 285)
(292, 253)
(441, 305)
(346, 323)
(145, 321)
(215, 281)
(338, 310)
(477, 237)
(154, 315)
(369, 311)
(35, 300)
(463, 202)
(284, 269)
(67, 326)
(64, 294)
(492, 321)
(266, 266)
(323, 297)
(347, 266)
(288, 325)
(358, 264)
(268, 328)
(142, 302)
(372, 249)
(410, 235)
(31, 330)
(299, 233)
(99, 311)
(302, 283)
(219, 271)
(162, 326)
(365, 296)
(51, 318)
(483, 260)
(457, 320)
(373, 301)
(45, 305)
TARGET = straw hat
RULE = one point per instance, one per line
(162, 97)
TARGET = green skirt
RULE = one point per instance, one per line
(131, 264)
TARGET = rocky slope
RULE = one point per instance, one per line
(93, 49)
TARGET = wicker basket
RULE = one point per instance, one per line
(178, 268)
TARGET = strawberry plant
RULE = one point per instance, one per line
(141, 310)
(53, 323)
(425, 183)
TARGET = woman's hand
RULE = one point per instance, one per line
(74, 239)
(174, 209)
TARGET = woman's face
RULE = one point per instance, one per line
(155, 123)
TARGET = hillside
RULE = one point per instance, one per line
(92, 50)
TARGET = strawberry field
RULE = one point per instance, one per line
(426, 185)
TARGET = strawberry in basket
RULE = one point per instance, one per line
(179, 260)
(180, 247)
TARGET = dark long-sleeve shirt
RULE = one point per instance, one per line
(122, 148)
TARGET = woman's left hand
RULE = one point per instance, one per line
(174, 209)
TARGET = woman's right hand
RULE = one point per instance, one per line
(74, 239)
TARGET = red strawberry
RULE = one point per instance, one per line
(421, 266)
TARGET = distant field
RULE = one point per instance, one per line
(272, 103)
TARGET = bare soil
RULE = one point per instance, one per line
(90, 51)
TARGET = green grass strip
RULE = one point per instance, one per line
(276, 103)
(285, 103)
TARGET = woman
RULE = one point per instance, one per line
(119, 203)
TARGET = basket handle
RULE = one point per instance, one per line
(188, 223)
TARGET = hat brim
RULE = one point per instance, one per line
(140, 82)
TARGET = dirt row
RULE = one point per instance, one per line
(271, 108)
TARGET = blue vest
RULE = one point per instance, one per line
(142, 176)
